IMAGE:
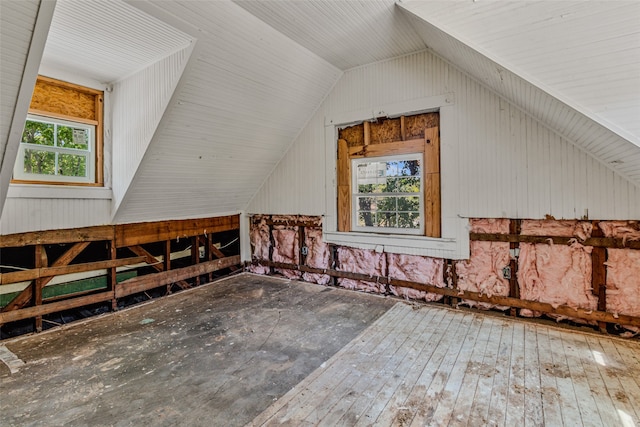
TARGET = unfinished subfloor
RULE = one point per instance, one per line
(260, 350)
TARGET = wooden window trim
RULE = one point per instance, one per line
(429, 146)
(41, 107)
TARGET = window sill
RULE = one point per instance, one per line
(42, 191)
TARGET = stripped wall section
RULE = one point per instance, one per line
(507, 163)
(139, 102)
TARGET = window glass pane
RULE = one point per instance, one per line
(409, 220)
(403, 168)
(366, 219)
(37, 133)
(72, 165)
(408, 204)
(39, 162)
(386, 219)
(70, 137)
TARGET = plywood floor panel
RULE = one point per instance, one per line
(437, 366)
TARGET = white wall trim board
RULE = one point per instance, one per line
(34, 191)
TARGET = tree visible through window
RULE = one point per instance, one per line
(387, 193)
(56, 148)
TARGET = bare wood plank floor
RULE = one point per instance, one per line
(437, 366)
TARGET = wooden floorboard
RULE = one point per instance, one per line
(427, 365)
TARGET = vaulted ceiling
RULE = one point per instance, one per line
(260, 69)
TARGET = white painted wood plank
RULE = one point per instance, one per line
(575, 354)
(550, 396)
(616, 380)
(358, 379)
(566, 393)
(443, 414)
(515, 409)
(476, 369)
(481, 399)
(408, 371)
(499, 391)
(399, 400)
(533, 412)
(372, 388)
(428, 392)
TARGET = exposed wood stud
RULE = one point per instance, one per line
(272, 244)
(367, 133)
(41, 261)
(167, 261)
(112, 278)
(195, 255)
(301, 245)
(208, 253)
(515, 227)
(599, 274)
(344, 187)
(403, 129)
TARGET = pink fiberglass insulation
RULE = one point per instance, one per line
(417, 269)
(318, 256)
(489, 225)
(365, 262)
(623, 283)
(286, 249)
(260, 243)
(627, 230)
(564, 228)
(556, 274)
(482, 272)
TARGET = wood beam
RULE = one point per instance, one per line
(150, 281)
(37, 273)
(603, 242)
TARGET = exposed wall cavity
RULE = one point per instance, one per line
(482, 272)
(556, 274)
(537, 261)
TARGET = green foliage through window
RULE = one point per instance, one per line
(56, 148)
(388, 193)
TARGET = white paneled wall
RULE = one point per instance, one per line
(16, 26)
(139, 102)
(32, 212)
(508, 165)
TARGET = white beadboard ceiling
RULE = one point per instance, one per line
(247, 92)
(107, 40)
(612, 144)
(345, 33)
(585, 53)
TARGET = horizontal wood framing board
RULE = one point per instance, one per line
(602, 242)
(150, 281)
(148, 232)
(600, 316)
(54, 307)
(37, 273)
(51, 237)
(388, 149)
(124, 234)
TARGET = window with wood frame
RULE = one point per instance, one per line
(62, 138)
(389, 176)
